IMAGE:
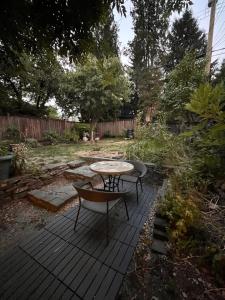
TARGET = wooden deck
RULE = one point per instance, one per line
(59, 263)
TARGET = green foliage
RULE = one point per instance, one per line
(154, 143)
(182, 214)
(207, 103)
(12, 133)
(31, 143)
(95, 90)
(185, 36)
(44, 24)
(70, 136)
(51, 137)
(20, 158)
(4, 150)
(180, 84)
(81, 128)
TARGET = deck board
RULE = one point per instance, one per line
(58, 263)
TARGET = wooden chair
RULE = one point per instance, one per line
(100, 201)
(137, 176)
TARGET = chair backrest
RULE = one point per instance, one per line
(139, 166)
(98, 196)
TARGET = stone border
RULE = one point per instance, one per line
(18, 187)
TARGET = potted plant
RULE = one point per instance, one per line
(5, 162)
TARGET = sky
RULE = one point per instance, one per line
(200, 11)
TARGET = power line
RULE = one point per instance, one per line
(218, 49)
(219, 54)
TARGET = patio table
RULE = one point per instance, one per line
(113, 169)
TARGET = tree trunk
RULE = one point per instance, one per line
(92, 128)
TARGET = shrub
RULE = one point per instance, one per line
(70, 135)
(20, 158)
(154, 143)
(182, 214)
(51, 137)
(4, 150)
(81, 128)
(12, 133)
(33, 143)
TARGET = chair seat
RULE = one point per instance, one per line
(100, 207)
(129, 178)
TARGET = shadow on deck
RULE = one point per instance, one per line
(59, 263)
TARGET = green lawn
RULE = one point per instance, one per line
(68, 152)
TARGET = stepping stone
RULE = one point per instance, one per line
(159, 247)
(52, 197)
(160, 224)
(54, 166)
(160, 235)
(83, 172)
(75, 163)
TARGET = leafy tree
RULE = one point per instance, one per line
(179, 86)
(65, 25)
(185, 36)
(43, 77)
(95, 90)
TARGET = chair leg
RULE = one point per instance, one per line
(137, 191)
(141, 184)
(107, 224)
(77, 215)
(126, 208)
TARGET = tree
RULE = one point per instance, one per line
(185, 36)
(106, 38)
(44, 74)
(151, 20)
(36, 79)
(95, 90)
(64, 25)
(180, 84)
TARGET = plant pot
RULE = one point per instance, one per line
(5, 164)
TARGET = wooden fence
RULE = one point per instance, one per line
(115, 128)
(35, 128)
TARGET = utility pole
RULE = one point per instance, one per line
(212, 4)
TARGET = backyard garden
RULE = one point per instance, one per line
(150, 133)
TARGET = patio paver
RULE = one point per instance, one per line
(52, 197)
(58, 263)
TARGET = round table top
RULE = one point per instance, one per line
(111, 167)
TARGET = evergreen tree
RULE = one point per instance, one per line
(106, 38)
(185, 36)
(150, 19)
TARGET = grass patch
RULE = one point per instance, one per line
(73, 151)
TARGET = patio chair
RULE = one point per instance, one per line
(137, 176)
(99, 201)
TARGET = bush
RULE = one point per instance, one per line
(81, 129)
(154, 143)
(70, 135)
(12, 133)
(33, 143)
(51, 137)
(4, 150)
(20, 158)
(182, 214)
